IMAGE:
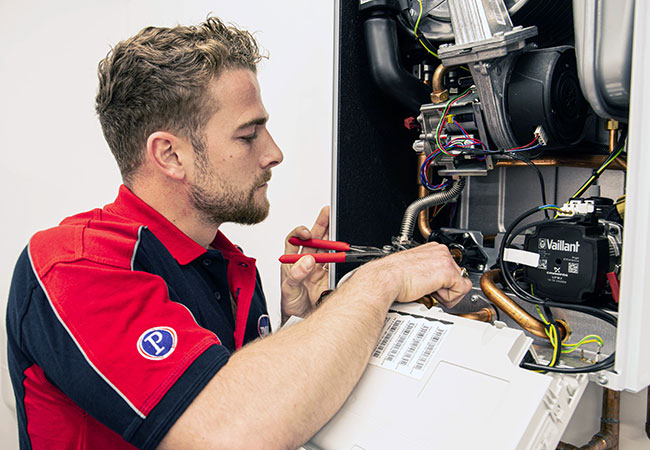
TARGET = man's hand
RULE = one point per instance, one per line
(303, 282)
(426, 269)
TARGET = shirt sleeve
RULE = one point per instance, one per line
(112, 341)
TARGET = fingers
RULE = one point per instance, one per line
(301, 232)
(428, 269)
(321, 227)
(320, 230)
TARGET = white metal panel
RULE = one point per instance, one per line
(632, 357)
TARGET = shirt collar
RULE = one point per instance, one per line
(180, 245)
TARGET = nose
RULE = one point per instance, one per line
(272, 155)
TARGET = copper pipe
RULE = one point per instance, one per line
(439, 94)
(423, 218)
(482, 315)
(516, 312)
(608, 436)
(590, 162)
(612, 139)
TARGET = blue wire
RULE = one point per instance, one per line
(525, 149)
(423, 176)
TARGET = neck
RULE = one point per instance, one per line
(172, 201)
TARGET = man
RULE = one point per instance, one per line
(138, 324)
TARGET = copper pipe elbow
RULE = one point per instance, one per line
(439, 94)
(512, 309)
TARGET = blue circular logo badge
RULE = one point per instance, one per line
(157, 343)
(264, 325)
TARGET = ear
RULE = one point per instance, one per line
(169, 153)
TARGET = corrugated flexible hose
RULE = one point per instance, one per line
(437, 198)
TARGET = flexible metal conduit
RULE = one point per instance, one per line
(437, 198)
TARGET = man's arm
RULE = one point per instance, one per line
(278, 391)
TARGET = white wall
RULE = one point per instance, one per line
(56, 162)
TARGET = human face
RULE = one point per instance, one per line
(230, 175)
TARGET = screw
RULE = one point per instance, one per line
(475, 298)
(480, 267)
(602, 379)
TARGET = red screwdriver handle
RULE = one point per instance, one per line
(319, 243)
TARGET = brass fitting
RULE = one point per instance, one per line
(440, 97)
(612, 124)
(439, 94)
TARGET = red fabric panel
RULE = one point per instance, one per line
(55, 422)
(107, 308)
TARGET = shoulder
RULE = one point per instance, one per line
(95, 236)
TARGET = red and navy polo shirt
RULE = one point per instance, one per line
(116, 320)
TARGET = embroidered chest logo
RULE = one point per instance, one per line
(264, 325)
(157, 343)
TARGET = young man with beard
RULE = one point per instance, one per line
(137, 324)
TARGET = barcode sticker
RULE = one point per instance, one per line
(407, 344)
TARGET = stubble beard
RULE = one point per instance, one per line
(218, 202)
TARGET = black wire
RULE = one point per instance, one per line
(595, 312)
(506, 275)
(408, 24)
(557, 348)
(619, 145)
(539, 175)
(604, 364)
(408, 27)
(512, 284)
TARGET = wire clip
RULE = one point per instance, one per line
(576, 207)
(541, 135)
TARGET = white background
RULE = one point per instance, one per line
(56, 162)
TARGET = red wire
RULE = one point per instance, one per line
(523, 146)
(477, 141)
(461, 128)
(446, 110)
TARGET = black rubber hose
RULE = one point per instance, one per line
(381, 41)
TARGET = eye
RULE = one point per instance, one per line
(249, 138)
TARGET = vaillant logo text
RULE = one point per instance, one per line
(560, 245)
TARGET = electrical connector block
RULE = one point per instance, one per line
(541, 135)
(576, 207)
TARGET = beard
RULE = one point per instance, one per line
(218, 202)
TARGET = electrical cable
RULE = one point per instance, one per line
(415, 29)
(528, 162)
(615, 153)
(439, 145)
(512, 284)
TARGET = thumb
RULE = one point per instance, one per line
(299, 271)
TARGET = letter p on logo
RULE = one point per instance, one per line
(157, 343)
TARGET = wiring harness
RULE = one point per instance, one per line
(546, 304)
